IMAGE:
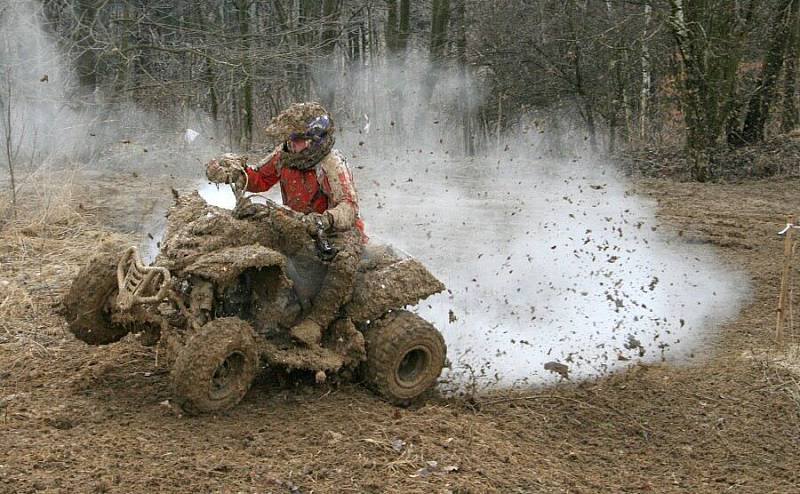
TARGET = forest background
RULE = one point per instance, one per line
(623, 75)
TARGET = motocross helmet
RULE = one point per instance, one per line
(304, 121)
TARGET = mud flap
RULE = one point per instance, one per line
(292, 356)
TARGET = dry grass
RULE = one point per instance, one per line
(15, 302)
(41, 249)
(46, 203)
(789, 360)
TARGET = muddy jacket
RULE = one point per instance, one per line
(328, 186)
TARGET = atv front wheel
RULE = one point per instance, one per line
(405, 355)
(89, 303)
(216, 367)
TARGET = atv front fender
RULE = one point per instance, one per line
(223, 266)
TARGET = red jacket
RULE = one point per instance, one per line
(328, 186)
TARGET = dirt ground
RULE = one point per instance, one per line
(79, 419)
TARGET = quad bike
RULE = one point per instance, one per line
(226, 286)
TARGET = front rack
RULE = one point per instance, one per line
(138, 283)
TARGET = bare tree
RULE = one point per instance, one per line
(440, 21)
(85, 12)
(644, 92)
(766, 89)
(789, 117)
(466, 99)
(709, 35)
(10, 148)
(243, 10)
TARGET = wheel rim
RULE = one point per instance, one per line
(227, 375)
(412, 368)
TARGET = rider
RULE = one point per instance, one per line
(314, 180)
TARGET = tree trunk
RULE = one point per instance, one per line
(405, 26)
(8, 135)
(789, 118)
(307, 14)
(624, 97)
(440, 18)
(208, 77)
(761, 101)
(644, 94)
(330, 28)
(587, 104)
(391, 27)
(700, 111)
(86, 63)
(356, 37)
(734, 103)
(465, 100)
(243, 17)
(122, 60)
(619, 104)
(330, 33)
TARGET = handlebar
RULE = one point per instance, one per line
(238, 193)
(244, 207)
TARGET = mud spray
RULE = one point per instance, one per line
(548, 261)
(56, 124)
(551, 262)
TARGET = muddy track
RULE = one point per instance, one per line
(80, 419)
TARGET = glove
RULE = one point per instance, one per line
(313, 222)
(222, 173)
(217, 173)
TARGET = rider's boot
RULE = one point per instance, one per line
(307, 332)
(336, 290)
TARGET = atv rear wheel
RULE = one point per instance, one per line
(89, 303)
(216, 367)
(405, 355)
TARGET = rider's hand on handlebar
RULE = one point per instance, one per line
(221, 173)
(316, 222)
(216, 173)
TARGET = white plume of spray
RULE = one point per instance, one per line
(547, 260)
(107, 141)
(550, 261)
(51, 127)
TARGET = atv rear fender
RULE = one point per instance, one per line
(393, 286)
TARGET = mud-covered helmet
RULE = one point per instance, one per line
(304, 120)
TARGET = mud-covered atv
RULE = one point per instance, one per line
(226, 286)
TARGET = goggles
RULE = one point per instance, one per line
(316, 130)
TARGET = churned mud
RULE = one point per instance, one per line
(76, 418)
